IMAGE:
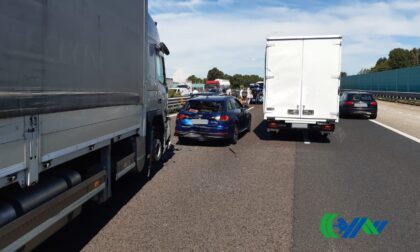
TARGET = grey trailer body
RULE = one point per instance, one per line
(77, 78)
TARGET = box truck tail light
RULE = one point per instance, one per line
(328, 127)
(373, 103)
(349, 103)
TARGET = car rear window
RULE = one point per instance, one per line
(360, 97)
(204, 106)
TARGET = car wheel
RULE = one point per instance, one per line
(235, 136)
(248, 129)
(373, 116)
(181, 140)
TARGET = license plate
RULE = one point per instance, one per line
(360, 105)
(200, 121)
(299, 125)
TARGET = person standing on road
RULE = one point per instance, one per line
(228, 92)
(249, 96)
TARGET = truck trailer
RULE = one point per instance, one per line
(83, 102)
(302, 80)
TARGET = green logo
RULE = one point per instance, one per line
(349, 231)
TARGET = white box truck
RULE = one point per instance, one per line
(302, 79)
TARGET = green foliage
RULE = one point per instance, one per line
(236, 81)
(364, 71)
(397, 58)
(195, 79)
(343, 74)
(172, 93)
(239, 80)
(215, 73)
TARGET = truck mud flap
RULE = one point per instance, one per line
(21, 231)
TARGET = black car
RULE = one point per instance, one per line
(359, 103)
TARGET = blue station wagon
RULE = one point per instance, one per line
(212, 117)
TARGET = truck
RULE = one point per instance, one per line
(83, 102)
(302, 81)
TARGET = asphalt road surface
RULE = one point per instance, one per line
(262, 194)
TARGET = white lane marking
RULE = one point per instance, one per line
(415, 139)
(250, 108)
(173, 115)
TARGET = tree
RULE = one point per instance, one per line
(364, 71)
(343, 74)
(399, 58)
(415, 57)
(382, 64)
(215, 73)
(195, 79)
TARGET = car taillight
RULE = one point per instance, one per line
(181, 116)
(373, 103)
(224, 118)
(349, 103)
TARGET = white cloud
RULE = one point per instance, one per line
(180, 75)
(234, 42)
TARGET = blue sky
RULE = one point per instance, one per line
(230, 34)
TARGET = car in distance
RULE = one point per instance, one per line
(357, 103)
(212, 117)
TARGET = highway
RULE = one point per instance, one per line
(262, 194)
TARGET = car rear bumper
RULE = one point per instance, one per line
(203, 134)
(358, 111)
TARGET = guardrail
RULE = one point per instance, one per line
(175, 103)
(397, 95)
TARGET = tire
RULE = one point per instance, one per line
(181, 140)
(373, 116)
(234, 139)
(248, 129)
(155, 152)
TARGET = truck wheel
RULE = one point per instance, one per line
(235, 136)
(155, 151)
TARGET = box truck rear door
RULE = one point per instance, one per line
(283, 78)
(320, 78)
